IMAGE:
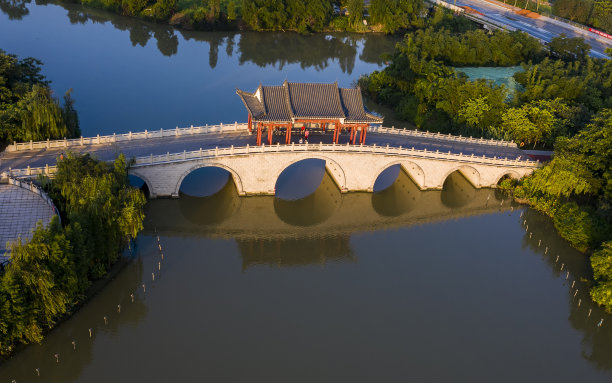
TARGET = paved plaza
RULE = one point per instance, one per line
(20, 210)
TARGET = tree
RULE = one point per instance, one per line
(355, 12)
(569, 48)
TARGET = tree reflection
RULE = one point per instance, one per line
(15, 9)
(276, 49)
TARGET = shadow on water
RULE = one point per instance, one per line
(295, 252)
(318, 51)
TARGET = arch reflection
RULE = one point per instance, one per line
(313, 209)
(399, 198)
(457, 191)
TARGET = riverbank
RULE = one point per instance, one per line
(50, 275)
(285, 15)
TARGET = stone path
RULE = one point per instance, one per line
(20, 210)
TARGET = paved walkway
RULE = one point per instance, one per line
(20, 210)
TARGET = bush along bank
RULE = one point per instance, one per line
(575, 190)
(49, 275)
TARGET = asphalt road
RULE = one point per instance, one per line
(541, 28)
(157, 146)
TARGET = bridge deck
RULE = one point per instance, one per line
(158, 146)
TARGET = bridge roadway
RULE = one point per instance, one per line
(190, 142)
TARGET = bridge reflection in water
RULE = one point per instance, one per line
(315, 229)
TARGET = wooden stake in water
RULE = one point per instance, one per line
(57, 357)
(132, 296)
(557, 260)
(600, 323)
(567, 275)
(159, 266)
(119, 309)
(74, 345)
(105, 321)
(90, 333)
(575, 293)
(588, 316)
(579, 302)
(562, 265)
(530, 235)
(546, 250)
(153, 276)
(144, 289)
(573, 283)
(37, 372)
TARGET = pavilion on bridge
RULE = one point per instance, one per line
(307, 106)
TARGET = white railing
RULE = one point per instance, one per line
(356, 149)
(263, 149)
(34, 189)
(130, 136)
(440, 136)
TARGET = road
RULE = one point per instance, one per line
(158, 146)
(543, 28)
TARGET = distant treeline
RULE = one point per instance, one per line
(50, 274)
(28, 109)
(387, 16)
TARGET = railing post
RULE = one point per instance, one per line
(151, 158)
(130, 135)
(200, 152)
(191, 128)
(184, 155)
(146, 134)
(167, 156)
(206, 129)
(98, 138)
(161, 132)
(65, 142)
(216, 151)
(176, 134)
(292, 146)
(29, 171)
(48, 144)
(235, 125)
(46, 168)
(248, 148)
(114, 137)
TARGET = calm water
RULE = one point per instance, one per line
(399, 285)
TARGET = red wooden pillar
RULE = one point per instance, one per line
(270, 128)
(288, 137)
(364, 131)
(352, 139)
(258, 141)
(250, 122)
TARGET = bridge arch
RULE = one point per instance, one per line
(234, 174)
(510, 173)
(469, 172)
(135, 172)
(333, 168)
(414, 171)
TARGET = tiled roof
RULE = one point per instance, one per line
(354, 109)
(306, 101)
(314, 100)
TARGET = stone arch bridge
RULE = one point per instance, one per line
(427, 158)
(255, 170)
